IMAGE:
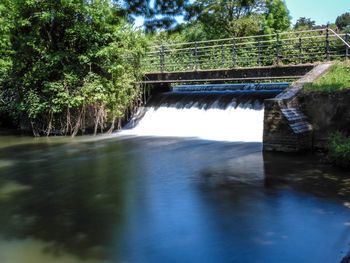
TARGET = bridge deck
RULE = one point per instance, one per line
(243, 75)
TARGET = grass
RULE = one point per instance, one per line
(339, 150)
(336, 79)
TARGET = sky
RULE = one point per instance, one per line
(321, 11)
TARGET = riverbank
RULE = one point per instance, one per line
(326, 103)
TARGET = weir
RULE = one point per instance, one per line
(222, 112)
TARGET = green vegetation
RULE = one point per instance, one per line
(68, 63)
(5, 45)
(304, 23)
(343, 22)
(339, 150)
(338, 78)
(213, 19)
(222, 19)
(276, 18)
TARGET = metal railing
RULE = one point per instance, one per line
(298, 47)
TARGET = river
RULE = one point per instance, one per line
(134, 199)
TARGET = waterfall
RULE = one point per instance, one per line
(204, 112)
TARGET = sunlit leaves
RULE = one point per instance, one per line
(277, 17)
(71, 54)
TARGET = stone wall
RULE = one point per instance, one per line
(328, 112)
(286, 127)
(281, 132)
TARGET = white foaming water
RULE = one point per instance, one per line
(229, 124)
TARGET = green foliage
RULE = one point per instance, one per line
(222, 18)
(70, 57)
(5, 50)
(276, 17)
(343, 22)
(339, 149)
(5, 45)
(214, 19)
(304, 23)
(194, 31)
(246, 26)
(337, 78)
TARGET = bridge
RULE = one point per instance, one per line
(275, 57)
(282, 58)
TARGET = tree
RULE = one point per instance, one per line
(5, 43)
(343, 22)
(73, 65)
(226, 18)
(304, 23)
(276, 17)
(5, 56)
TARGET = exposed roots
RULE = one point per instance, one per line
(91, 119)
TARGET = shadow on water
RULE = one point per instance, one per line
(72, 196)
(306, 173)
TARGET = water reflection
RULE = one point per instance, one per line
(247, 168)
(306, 173)
(71, 198)
(168, 200)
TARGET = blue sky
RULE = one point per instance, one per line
(322, 11)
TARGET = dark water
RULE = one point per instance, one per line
(167, 200)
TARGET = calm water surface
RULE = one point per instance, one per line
(144, 199)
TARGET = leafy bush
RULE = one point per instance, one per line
(339, 149)
(73, 65)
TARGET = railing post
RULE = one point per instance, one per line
(196, 55)
(347, 38)
(300, 51)
(277, 49)
(222, 56)
(161, 57)
(259, 53)
(234, 53)
(327, 43)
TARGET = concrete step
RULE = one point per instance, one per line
(293, 114)
(297, 120)
(301, 127)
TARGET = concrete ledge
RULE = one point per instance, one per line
(235, 74)
(296, 86)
